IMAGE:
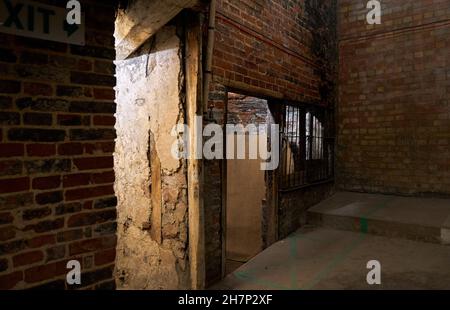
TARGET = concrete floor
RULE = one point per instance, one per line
(351, 229)
(325, 258)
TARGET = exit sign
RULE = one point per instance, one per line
(36, 20)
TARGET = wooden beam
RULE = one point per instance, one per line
(224, 189)
(141, 20)
(272, 181)
(156, 217)
(248, 89)
(194, 109)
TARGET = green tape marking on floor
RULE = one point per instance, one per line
(364, 225)
(342, 256)
(292, 256)
(247, 275)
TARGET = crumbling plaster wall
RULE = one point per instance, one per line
(151, 185)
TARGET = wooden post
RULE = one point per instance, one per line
(273, 178)
(194, 108)
(224, 187)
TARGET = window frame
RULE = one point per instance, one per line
(307, 170)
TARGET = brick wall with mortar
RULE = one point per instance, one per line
(57, 200)
(283, 49)
(394, 107)
(246, 110)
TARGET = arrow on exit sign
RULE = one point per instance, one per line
(70, 29)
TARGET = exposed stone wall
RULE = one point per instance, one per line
(57, 201)
(284, 48)
(151, 185)
(394, 112)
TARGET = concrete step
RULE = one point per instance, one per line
(324, 258)
(419, 219)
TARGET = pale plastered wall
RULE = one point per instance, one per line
(151, 184)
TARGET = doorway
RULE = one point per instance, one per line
(245, 189)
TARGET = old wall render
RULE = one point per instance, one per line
(394, 100)
(151, 254)
(57, 134)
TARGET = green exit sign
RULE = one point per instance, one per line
(36, 20)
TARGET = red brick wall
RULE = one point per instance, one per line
(57, 135)
(280, 46)
(394, 128)
(268, 49)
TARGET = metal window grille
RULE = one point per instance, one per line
(307, 146)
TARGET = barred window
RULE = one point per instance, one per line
(307, 146)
